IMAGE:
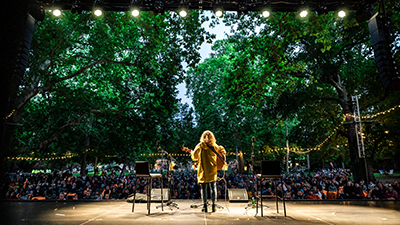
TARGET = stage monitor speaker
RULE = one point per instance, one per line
(156, 194)
(238, 195)
(270, 169)
(139, 198)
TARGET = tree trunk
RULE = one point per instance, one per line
(83, 164)
(96, 169)
(87, 146)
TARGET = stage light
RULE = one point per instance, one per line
(135, 12)
(218, 13)
(303, 13)
(183, 12)
(56, 12)
(98, 12)
(303, 9)
(265, 13)
(341, 13)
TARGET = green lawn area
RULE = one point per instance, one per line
(385, 175)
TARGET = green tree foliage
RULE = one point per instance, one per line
(99, 87)
(233, 119)
(302, 70)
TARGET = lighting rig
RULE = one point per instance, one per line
(242, 7)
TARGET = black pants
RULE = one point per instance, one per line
(204, 191)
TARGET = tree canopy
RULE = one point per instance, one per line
(106, 88)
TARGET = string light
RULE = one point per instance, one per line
(376, 114)
(380, 113)
(20, 158)
(9, 115)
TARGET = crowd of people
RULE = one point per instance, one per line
(325, 184)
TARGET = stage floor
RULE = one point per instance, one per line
(120, 212)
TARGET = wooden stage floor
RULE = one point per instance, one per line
(120, 212)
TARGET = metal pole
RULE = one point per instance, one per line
(237, 159)
(287, 150)
(360, 139)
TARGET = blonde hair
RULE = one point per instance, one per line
(208, 137)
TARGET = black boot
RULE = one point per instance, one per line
(204, 209)
(213, 207)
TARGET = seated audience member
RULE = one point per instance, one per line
(106, 196)
(371, 186)
(313, 196)
(332, 191)
(348, 190)
(299, 195)
(317, 192)
(358, 192)
(12, 196)
(376, 194)
(288, 195)
(106, 191)
(23, 196)
(50, 193)
(97, 195)
(61, 196)
(88, 195)
(114, 194)
(341, 194)
(63, 188)
(124, 194)
(391, 194)
(38, 192)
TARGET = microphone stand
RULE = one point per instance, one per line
(255, 183)
(169, 203)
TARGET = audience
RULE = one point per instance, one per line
(325, 184)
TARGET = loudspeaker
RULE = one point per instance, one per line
(238, 195)
(382, 40)
(156, 194)
(270, 169)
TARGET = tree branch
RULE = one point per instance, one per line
(84, 69)
(55, 135)
(326, 99)
(52, 138)
(98, 111)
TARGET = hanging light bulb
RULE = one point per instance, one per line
(341, 13)
(135, 12)
(57, 12)
(98, 12)
(265, 13)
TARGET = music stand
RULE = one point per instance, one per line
(169, 203)
(142, 170)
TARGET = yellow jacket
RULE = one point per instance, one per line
(207, 162)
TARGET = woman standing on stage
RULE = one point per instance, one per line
(207, 165)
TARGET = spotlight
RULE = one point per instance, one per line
(135, 12)
(183, 12)
(265, 13)
(98, 12)
(56, 12)
(341, 13)
(303, 9)
(218, 13)
(303, 13)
